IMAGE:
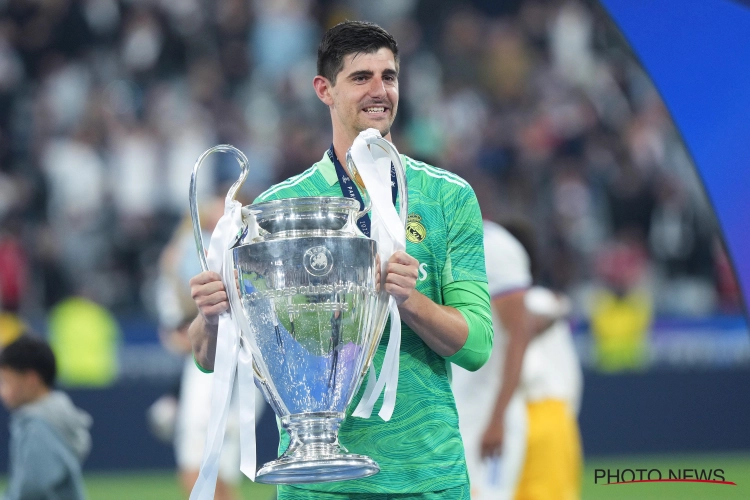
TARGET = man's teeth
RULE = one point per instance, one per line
(380, 109)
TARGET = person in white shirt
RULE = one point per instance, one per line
(510, 404)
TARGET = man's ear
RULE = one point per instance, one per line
(323, 88)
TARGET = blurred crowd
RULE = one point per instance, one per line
(105, 106)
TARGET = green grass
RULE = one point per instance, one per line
(152, 485)
(157, 486)
(162, 485)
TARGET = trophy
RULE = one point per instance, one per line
(307, 304)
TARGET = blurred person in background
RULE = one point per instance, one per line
(517, 414)
(488, 408)
(439, 286)
(188, 416)
(622, 306)
(85, 337)
(551, 386)
(14, 276)
(49, 435)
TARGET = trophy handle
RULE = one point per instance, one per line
(231, 194)
(400, 177)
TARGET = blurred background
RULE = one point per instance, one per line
(105, 105)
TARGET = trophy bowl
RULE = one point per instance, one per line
(310, 299)
(309, 307)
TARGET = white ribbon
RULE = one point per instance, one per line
(230, 355)
(374, 166)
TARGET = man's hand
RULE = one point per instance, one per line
(492, 440)
(401, 276)
(209, 295)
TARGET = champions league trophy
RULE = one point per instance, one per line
(307, 304)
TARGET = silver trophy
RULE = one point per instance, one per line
(308, 305)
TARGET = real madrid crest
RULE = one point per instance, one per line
(415, 230)
(318, 261)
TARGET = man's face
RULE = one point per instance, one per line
(15, 387)
(365, 94)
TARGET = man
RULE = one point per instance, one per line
(501, 405)
(551, 386)
(488, 411)
(177, 264)
(439, 285)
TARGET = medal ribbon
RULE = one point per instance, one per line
(374, 165)
(349, 189)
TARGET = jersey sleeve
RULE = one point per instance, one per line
(508, 266)
(472, 300)
(464, 278)
(465, 247)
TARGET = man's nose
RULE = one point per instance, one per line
(377, 87)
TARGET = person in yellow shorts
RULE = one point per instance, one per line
(551, 386)
(517, 414)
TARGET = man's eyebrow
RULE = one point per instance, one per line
(362, 72)
(369, 73)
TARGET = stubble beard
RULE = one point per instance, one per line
(384, 128)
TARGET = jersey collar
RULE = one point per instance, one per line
(327, 170)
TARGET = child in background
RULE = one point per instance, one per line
(49, 436)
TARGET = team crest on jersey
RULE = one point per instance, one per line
(415, 230)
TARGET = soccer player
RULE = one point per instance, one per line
(489, 410)
(551, 386)
(177, 264)
(439, 284)
(511, 417)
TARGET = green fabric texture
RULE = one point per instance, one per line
(462, 492)
(472, 299)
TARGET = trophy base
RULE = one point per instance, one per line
(317, 470)
(314, 454)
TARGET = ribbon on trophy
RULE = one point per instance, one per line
(374, 166)
(233, 357)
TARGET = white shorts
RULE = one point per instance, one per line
(495, 478)
(192, 423)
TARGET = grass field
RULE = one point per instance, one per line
(163, 485)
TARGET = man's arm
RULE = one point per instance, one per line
(524, 314)
(442, 328)
(460, 330)
(512, 312)
(210, 296)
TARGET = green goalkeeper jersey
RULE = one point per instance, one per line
(419, 449)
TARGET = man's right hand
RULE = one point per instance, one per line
(209, 295)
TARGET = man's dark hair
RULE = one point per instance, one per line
(29, 353)
(351, 37)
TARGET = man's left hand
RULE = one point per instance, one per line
(401, 276)
(492, 440)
